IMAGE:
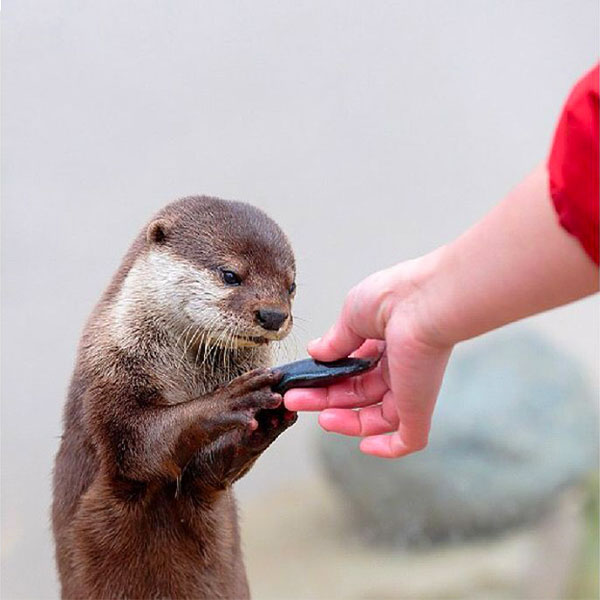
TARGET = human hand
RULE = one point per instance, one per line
(386, 314)
(517, 261)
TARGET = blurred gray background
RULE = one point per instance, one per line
(371, 131)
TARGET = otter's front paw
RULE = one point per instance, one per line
(267, 415)
(244, 397)
(270, 424)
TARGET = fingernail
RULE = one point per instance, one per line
(314, 342)
(323, 418)
(364, 445)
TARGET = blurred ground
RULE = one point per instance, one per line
(297, 546)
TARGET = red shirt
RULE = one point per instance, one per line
(573, 164)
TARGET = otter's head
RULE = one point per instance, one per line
(223, 269)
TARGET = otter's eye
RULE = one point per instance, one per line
(231, 278)
(292, 288)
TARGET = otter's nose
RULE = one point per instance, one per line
(271, 319)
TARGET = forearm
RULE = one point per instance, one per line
(515, 262)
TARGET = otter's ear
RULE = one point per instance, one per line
(157, 231)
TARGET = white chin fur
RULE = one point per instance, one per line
(168, 286)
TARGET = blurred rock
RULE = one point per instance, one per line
(515, 424)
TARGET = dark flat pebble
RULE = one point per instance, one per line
(312, 373)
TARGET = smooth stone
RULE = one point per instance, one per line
(516, 423)
(313, 373)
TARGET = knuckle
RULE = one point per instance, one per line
(421, 444)
(361, 390)
(418, 445)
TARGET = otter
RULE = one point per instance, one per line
(170, 403)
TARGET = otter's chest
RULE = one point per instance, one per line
(218, 367)
(209, 371)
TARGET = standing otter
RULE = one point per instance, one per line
(169, 405)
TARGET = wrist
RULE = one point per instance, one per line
(517, 261)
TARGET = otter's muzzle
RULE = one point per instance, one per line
(269, 319)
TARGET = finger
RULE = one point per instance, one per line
(415, 372)
(367, 421)
(360, 319)
(385, 446)
(371, 420)
(337, 343)
(370, 349)
(305, 399)
(354, 392)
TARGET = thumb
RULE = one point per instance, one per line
(340, 341)
(359, 320)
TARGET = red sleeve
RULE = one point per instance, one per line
(573, 164)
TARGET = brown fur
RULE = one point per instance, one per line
(159, 418)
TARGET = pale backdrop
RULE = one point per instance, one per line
(371, 131)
